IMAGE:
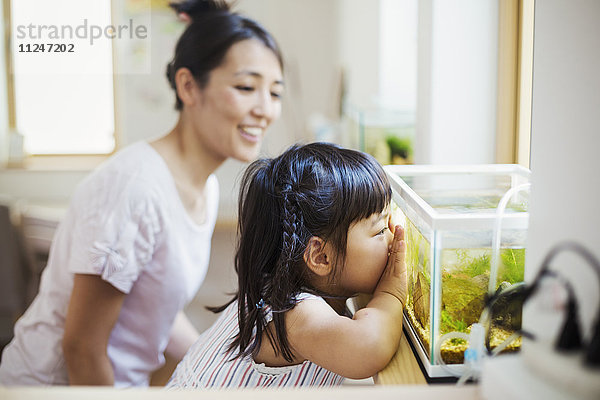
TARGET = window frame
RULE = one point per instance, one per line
(515, 81)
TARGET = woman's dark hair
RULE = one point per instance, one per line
(317, 189)
(212, 31)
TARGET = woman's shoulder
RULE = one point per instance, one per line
(132, 177)
(133, 167)
(137, 160)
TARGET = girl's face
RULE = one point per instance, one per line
(366, 253)
(239, 102)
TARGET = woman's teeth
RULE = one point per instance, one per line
(252, 131)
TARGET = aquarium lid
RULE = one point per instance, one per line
(459, 196)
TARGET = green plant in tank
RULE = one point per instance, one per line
(465, 280)
(412, 246)
(511, 269)
(401, 147)
(457, 341)
(451, 324)
(513, 265)
(477, 266)
(419, 280)
(417, 254)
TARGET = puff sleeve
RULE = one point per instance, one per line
(115, 232)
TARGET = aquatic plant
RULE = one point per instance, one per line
(401, 147)
(477, 266)
(450, 324)
(513, 265)
(417, 251)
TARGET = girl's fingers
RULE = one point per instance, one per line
(398, 241)
(393, 279)
(398, 229)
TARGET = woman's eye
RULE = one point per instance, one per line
(245, 88)
(276, 95)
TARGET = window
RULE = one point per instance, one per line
(61, 86)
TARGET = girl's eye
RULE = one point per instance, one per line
(276, 95)
(381, 232)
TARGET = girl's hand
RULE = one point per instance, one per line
(358, 347)
(393, 281)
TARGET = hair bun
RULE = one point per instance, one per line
(195, 8)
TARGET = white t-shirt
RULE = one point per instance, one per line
(126, 223)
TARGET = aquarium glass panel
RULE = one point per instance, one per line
(419, 270)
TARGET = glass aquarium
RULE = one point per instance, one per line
(386, 134)
(465, 231)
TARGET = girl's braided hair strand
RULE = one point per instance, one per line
(291, 250)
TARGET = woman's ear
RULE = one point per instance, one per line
(187, 87)
(317, 257)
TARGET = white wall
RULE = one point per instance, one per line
(360, 50)
(398, 48)
(145, 103)
(565, 142)
(457, 75)
(308, 35)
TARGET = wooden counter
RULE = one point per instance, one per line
(403, 369)
(433, 392)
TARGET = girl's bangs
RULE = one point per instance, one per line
(368, 190)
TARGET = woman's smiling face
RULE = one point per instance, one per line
(239, 102)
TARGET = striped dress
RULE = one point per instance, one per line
(209, 364)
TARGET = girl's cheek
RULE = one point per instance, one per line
(384, 259)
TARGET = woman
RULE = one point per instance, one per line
(133, 248)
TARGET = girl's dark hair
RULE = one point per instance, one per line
(317, 189)
(210, 34)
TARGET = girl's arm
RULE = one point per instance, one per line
(183, 335)
(362, 346)
(93, 311)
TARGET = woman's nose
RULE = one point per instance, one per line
(267, 107)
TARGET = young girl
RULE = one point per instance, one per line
(314, 230)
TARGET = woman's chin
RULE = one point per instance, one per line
(247, 154)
